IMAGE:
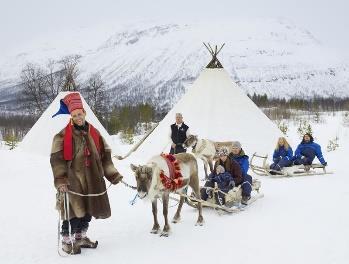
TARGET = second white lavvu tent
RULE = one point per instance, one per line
(216, 108)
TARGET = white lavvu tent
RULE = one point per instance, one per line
(39, 138)
(215, 108)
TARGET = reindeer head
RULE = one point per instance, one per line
(190, 141)
(143, 176)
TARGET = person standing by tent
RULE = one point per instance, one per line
(307, 150)
(178, 134)
(80, 158)
(282, 156)
(237, 154)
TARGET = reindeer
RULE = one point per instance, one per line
(149, 185)
(205, 149)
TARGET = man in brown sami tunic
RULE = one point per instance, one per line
(80, 158)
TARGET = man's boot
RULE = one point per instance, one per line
(83, 241)
(70, 246)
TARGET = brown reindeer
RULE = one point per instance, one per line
(149, 185)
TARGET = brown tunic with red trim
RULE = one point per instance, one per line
(82, 176)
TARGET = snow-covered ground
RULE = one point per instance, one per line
(300, 220)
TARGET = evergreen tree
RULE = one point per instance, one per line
(11, 141)
(127, 136)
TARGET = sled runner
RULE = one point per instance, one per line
(232, 198)
(263, 169)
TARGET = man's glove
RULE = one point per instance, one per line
(117, 179)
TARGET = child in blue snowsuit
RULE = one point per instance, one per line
(283, 155)
(239, 156)
(224, 181)
(226, 174)
(307, 150)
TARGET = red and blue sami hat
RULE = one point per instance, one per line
(69, 103)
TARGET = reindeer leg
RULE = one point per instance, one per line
(196, 189)
(200, 220)
(210, 164)
(177, 216)
(166, 229)
(205, 168)
(156, 226)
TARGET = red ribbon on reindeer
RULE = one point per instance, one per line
(175, 181)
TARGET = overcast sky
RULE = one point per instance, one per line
(26, 19)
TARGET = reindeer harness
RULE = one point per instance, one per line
(175, 180)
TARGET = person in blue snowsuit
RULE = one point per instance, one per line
(237, 154)
(224, 181)
(226, 174)
(307, 150)
(283, 155)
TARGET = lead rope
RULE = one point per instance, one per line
(133, 201)
(102, 193)
(128, 185)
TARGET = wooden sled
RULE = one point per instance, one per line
(227, 144)
(263, 169)
(232, 198)
(259, 169)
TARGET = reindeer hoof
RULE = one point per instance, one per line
(176, 220)
(200, 223)
(164, 233)
(154, 231)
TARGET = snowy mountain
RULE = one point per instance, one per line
(156, 61)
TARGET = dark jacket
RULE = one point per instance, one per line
(179, 135)
(312, 145)
(282, 153)
(231, 166)
(242, 159)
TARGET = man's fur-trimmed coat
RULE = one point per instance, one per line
(83, 179)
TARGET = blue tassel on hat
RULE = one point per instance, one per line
(63, 109)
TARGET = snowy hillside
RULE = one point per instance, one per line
(155, 61)
(300, 220)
